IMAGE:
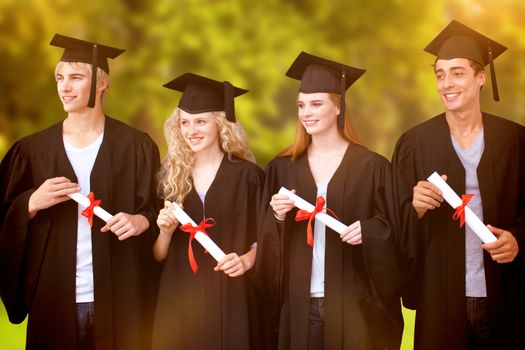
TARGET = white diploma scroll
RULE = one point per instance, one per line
(84, 202)
(201, 237)
(471, 219)
(326, 219)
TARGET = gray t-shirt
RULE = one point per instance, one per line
(475, 285)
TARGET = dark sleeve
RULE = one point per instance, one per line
(148, 162)
(517, 228)
(256, 187)
(19, 257)
(381, 261)
(410, 234)
(267, 275)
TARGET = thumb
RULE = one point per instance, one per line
(496, 231)
(444, 177)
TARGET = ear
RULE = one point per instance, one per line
(481, 78)
(102, 84)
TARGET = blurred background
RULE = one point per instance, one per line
(251, 44)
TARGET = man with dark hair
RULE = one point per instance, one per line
(468, 295)
(84, 283)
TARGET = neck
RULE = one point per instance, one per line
(207, 157)
(328, 142)
(464, 123)
(88, 121)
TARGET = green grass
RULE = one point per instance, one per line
(12, 336)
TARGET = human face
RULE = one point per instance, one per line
(73, 85)
(458, 85)
(317, 112)
(200, 131)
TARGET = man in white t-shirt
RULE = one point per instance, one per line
(83, 284)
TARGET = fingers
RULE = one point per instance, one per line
(352, 234)
(231, 265)
(505, 249)
(121, 225)
(426, 196)
(281, 205)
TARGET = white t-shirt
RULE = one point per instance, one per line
(318, 254)
(82, 161)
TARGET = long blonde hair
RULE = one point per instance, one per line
(303, 139)
(174, 177)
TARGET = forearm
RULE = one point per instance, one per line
(161, 247)
(248, 259)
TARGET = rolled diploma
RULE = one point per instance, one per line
(203, 238)
(471, 219)
(326, 219)
(84, 202)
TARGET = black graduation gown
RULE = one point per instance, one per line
(38, 257)
(362, 297)
(433, 248)
(210, 310)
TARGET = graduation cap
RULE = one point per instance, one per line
(459, 41)
(321, 75)
(76, 50)
(201, 94)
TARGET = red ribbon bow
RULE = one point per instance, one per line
(192, 230)
(88, 212)
(460, 210)
(302, 215)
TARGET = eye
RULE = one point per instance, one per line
(201, 121)
(458, 74)
(184, 123)
(440, 76)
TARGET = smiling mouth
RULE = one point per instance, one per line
(311, 122)
(68, 99)
(451, 95)
(195, 140)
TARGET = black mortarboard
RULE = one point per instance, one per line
(459, 41)
(76, 50)
(321, 75)
(201, 94)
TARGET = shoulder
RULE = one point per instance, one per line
(424, 129)
(279, 163)
(121, 132)
(502, 125)
(40, 140)
(362, 154)
(244, 166)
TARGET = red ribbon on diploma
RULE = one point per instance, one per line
(88, 212)
(192, 230)
(460, 210)
(302, 215)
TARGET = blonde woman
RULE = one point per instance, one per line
(210, 171)
(336, 291)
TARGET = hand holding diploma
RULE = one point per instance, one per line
(199, 233)
(316, 211)
(462, 209)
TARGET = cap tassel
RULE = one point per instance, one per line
(229, 103)
(495, 92)
(94, 63)
(341, 117)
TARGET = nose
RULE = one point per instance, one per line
(64, 84)
(448, 81)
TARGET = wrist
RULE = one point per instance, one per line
(278, 218)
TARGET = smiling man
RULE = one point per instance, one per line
(84, 284)
(468, 295)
